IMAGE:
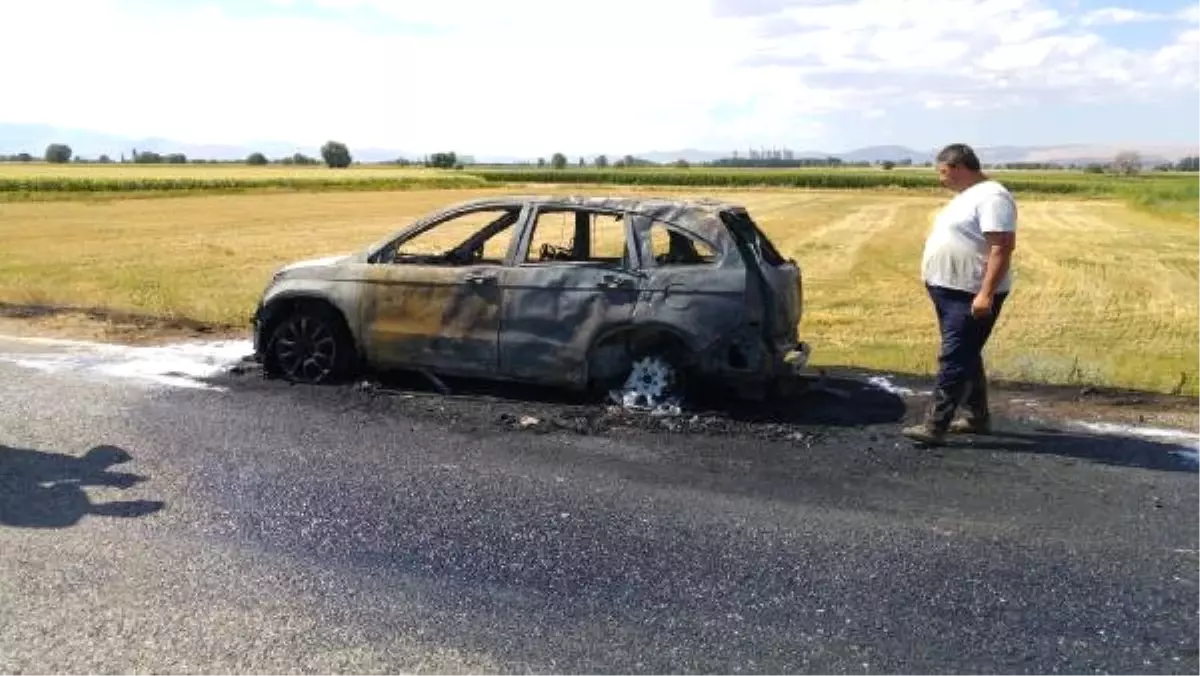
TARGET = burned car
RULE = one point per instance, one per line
(583, 292)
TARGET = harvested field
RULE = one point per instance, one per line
(1106, 295)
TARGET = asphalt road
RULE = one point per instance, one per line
(290, 529)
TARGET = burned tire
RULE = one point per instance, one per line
(310, 345)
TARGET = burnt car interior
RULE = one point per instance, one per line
(478, 234)
(578, 236)
(678, 249)
(557, 235)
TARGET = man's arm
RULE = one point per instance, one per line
(998, 221)
(1000, 248)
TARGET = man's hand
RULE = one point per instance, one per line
(981, 305)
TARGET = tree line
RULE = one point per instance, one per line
(337, 155)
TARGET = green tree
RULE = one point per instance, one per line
(256, 159)
(558, 161)
(336, 155)
(148, 157)
(58, 153)
(445, 160)
(601, 161)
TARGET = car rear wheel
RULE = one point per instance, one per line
(311, 346)
(656, 377)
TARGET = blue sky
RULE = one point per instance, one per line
(531, 77)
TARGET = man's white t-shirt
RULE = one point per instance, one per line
(956, 251)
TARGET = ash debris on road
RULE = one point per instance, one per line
(606, 419)
(851, 414)
(828, 407)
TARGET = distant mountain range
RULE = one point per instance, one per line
(33, 139)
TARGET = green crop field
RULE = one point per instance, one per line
(1165, 192)
(38, 181)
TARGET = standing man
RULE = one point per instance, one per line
(965, 267)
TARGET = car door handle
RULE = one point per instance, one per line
(479, 278)
(612, 282)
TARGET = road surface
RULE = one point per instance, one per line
(252, 526)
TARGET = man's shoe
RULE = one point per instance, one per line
(924, 434)
(964, 426)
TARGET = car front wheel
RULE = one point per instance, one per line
(309, 346)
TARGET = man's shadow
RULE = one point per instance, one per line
(45, 490)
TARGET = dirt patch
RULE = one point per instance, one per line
(97, 324)
(1091, 404)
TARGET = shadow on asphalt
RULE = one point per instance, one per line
(1102, 449)
(39, 489)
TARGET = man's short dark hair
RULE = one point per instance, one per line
(959, 155)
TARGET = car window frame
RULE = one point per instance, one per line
(632, 252)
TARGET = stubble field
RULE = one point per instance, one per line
(1105, 294)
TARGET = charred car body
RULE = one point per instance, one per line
(570, 291)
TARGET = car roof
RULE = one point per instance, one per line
(689, 212)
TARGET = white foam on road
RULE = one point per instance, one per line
(884, 383)
(1188, 441)
(177, 365)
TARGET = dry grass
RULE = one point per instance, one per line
(1105, 295)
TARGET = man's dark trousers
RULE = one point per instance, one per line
(960, 378)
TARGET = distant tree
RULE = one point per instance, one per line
(1188, 164)
(541, 162)
(558, 161)
(582, 163)
(58, 153)
(175, 158)
(1094, 168)
(681, 164)
(105, 159)
(445, 160)
(887, 165)
(256, 159)
(1127, 162)
(336, 155)
(148, 157)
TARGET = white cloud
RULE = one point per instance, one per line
(976, 53)
(1119, 15)
(539, 76)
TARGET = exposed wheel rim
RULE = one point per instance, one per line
(305, 349)
(652, 381)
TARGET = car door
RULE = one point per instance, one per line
(573, 275)
(692, 282)
(435, 301)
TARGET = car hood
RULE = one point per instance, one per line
(325, 261)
